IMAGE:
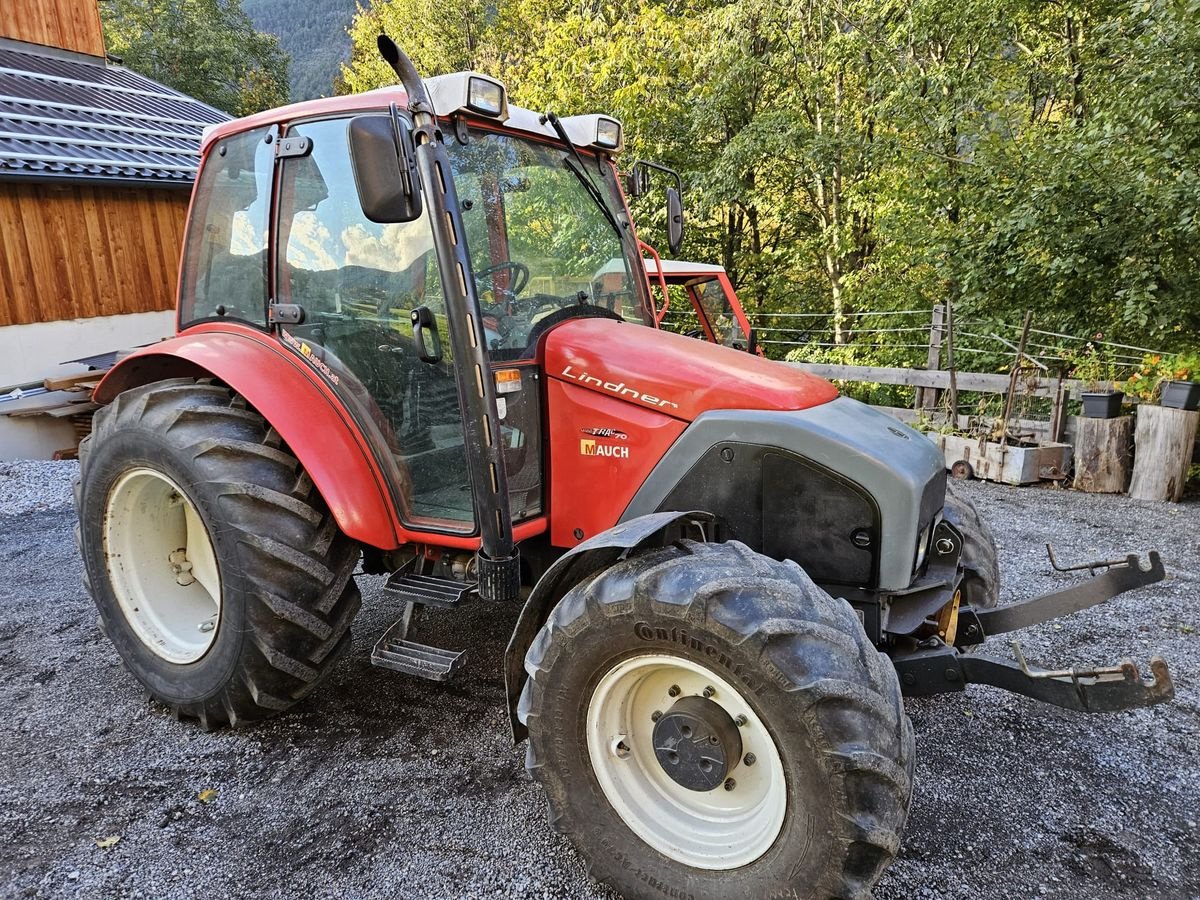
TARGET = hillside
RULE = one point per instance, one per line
(313, 32)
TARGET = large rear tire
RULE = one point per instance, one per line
(980, 561)
(635, 683)
(219, 573)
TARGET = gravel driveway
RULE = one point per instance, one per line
(382, 785)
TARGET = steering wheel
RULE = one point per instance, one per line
(520, 276)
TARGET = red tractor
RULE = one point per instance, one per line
(416, 329)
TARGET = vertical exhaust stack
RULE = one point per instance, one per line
(499, 564)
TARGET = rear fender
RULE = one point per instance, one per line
(291, 396)
(580, 563)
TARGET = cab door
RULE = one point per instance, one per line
(357, 283)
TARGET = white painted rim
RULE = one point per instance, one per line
(713, 830)
(161, 566)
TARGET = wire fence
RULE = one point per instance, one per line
(1029, 355)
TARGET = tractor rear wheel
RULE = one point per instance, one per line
(981, 566)
(708, 722)
(218, 571)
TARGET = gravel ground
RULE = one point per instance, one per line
(381, 785)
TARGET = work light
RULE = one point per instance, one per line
(601, 132)
(485, 96)
(608, 133)
(468, 92)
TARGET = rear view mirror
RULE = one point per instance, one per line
(385, 172)
(674, 220)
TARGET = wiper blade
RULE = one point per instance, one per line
(575, 163)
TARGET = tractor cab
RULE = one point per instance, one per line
(709, 310)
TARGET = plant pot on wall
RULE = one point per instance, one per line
(1181, 394)
(1105, 405)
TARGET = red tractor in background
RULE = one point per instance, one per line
(416, 329)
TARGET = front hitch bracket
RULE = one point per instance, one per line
(941, 669)
(1120, 577)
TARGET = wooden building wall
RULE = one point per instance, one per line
(67, 24)
(74, 251)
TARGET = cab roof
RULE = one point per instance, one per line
(518, 118)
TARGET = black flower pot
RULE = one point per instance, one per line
(1181, 394)
(1102, 406)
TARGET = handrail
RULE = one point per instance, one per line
(662, 282)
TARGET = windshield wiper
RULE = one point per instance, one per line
(575, 163)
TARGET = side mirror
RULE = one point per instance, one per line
(385, 171)
(425, 335)
(674, 220)
(752, 341)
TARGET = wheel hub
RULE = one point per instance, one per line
(697, 743)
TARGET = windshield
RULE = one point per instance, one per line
(539, 243)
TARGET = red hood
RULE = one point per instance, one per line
(677, 375)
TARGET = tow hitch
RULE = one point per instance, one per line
(935, 668)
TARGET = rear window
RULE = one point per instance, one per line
(225, 268)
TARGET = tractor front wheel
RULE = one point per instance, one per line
(980, 562)
(219, 573)
(707, 722)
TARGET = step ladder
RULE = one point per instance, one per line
(395, 651)
(427, 590)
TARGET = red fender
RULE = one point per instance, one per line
(292, 397)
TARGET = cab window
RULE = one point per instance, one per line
(224, 273)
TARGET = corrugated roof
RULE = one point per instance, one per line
(74, 117)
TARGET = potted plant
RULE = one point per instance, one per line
(1181, 388)
(1174, 382)
(1100, 399)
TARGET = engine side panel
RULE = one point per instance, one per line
(863, 465)
(600, 451)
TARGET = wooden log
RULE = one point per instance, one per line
(1103, 454)
(1164, 452)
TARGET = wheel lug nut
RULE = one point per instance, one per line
(750, 759)
(656, 715)
(740, 721)
(674, 690)
(709, 691)
(730, 784)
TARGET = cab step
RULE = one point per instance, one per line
(427, 590)
(395, 651)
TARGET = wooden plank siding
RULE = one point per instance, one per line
(67, 24)
(74, 252)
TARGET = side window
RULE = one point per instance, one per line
(225, 266)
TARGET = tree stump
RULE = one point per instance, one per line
(1103, 454)
(1164, 451)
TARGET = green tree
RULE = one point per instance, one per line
(205, 48)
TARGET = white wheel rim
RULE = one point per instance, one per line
(714, 830)
(161, 565)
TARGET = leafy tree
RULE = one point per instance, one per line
(841, 156)
(205, 48)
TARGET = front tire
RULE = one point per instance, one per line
(735, 638)
(980, 560)
(220, 575)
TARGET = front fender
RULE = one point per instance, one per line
(291, 396)
(577, 565)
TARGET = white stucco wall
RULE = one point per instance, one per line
(29, 353)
